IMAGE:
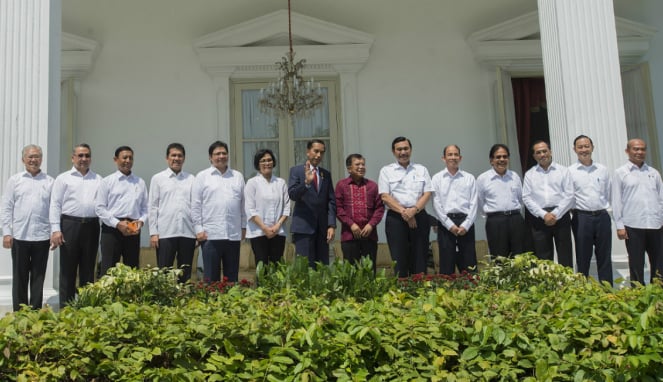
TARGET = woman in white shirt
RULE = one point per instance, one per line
(267, 207)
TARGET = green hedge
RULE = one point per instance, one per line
(521, 319)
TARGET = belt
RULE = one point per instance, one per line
(549, 209)
(592, 213)
(124, 219)
(81, 220)
(457, 215)
(503, 213)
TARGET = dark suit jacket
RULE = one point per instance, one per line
(314, 212)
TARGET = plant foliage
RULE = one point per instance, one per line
(529, 329)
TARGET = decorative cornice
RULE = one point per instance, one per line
(77, 56)
(515, 44)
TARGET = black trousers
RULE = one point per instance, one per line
(354, 250)
(78, 254)
(268, 250)
(456, 251)
(408, 246)
(592, 233)
(641, 240)
(313, 246)
(29, 260)
(544, 236)
(217, 252)
(177, 247)
(505, 234)
(115, 246)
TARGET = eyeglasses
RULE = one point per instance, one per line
(83, 155)
(266, 161)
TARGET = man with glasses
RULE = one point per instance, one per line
(499, 192)
(25, 228)
(74, 224)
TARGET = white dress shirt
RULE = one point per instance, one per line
(548, 188)
(73, 194)
(269, 200)
(169, 209)
(25, 205)
(499, 193)
(637, 197)
(455, 194)
(592, 186)
(406, 185)
(217, 204)
(121, 196)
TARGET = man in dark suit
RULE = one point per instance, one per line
(314, 215)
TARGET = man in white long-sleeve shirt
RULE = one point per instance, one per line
(217, 211)
(25, 228)
(74, 223)
(637, 203)
(455, 203)
(121, 204)
(169, 213)
(591, 221)
(548, 196)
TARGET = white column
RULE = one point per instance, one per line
(29, 99)
(583, 86)
(582, 74)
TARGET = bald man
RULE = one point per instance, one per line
(637, 203)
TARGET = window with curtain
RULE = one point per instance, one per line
(286, 137)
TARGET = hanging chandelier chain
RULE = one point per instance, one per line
(290, 94)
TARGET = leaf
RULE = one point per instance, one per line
(470, 353)
(282, 359)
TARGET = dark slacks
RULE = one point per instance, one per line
(408, 246)
(641, 240)
(592, 232)
(217, 252)
(313, 246)
(78, 254)
(177, 247)
(115, 246)
(268, 250)
(456, 251)
(29, 260)
(544, 236)
(505, 234)
(354, 250)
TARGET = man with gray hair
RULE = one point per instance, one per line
(25, 228)
(74, 223)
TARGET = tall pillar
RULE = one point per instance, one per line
(29, 99)
(582, 74)
(583, 86)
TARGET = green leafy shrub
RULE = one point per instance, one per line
(341, 279)
(125, 284)
(579, 331)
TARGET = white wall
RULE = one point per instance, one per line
(147, 88)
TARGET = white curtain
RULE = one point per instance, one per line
(639, 109)
(506, 112)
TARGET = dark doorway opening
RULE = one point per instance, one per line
(529, 96)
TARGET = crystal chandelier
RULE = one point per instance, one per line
(290, 94)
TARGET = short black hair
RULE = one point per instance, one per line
(217, 144)
(540, 141)
(123, 148)
(310, 143)
(496, 147)
(350, 158)
(176, 146)
(261, 153)
(581, 136)
(398, 140)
